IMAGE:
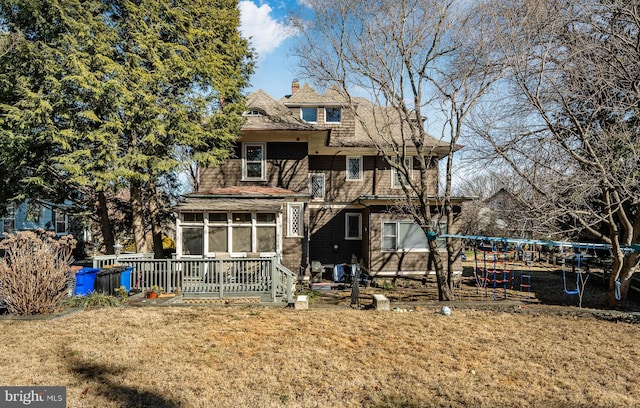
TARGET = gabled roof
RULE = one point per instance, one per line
(383, 122)
(277, 116)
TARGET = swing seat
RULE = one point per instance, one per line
(572, 292)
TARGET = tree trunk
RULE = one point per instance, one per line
(445, 290)
(617, 296)
(137, 217)
(105, 223)
(156, 228)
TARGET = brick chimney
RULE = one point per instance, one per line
(295, 85)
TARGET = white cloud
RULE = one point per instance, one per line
(263, 31)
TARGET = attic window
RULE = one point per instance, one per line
(254, 112)
(309, 114)
(332, 115)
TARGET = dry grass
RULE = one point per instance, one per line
(273, 357)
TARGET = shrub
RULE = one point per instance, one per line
(35, 270)
(94, 300)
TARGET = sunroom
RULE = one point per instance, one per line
(249, 222)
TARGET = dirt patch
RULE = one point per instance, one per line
(545, 287)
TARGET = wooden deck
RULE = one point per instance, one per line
(263, 277)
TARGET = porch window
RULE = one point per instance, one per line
(316, 185)
(253, 161)
(218, 232)
(266, 232)
(397, 176)
(242, 232)
(295, 219)
(192, 217)
(332, 115)
(403, 236)
(353, 226)
(309, 114)
(354, 167)
(192, 240)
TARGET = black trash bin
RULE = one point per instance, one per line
(108, 280)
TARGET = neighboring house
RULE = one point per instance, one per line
(29, 216)
(498, 216)
(306, 184)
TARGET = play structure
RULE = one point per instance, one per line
(502, 263)
(500, 269)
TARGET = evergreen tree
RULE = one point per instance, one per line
(105, 94)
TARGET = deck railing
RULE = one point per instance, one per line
(265, 277)
(100, 261)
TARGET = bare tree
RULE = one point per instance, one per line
(571, 129)
(424, 63)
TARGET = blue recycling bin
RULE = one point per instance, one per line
(125, 278)
(85, 281)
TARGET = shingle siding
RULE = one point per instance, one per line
(287, 167)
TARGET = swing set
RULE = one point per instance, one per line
(497, 273)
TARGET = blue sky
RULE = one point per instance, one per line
(265, 23)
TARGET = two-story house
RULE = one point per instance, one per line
(307, 184)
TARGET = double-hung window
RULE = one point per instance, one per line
(403, 236)
(354, 167)
(316, 185)
(60, 221)
(253, 161)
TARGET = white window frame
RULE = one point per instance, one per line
(11, 216)
(228, 224)
(257, 224)
(325, 114)
(322, 176)
(295, 230)
(302, 108)
(395, 183)
(263, 166)
(55, 219)
(182, 225)
(399, 238)
(242, 224)
(348, 173)
(256, 112)
(346, 226)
